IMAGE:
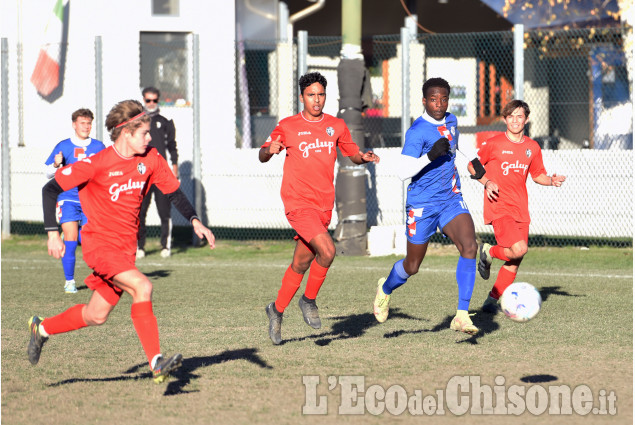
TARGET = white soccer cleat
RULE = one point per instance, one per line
(69, 287)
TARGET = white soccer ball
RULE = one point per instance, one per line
(521, 301)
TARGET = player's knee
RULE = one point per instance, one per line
(300, 266)
(411, 267)
(142, 290)
(519, 250)
(469, 249)
(328, 255)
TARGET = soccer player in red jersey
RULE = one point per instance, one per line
(508, 159)
(112, 185)
(310, 139)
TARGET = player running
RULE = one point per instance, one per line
(434, 200)
(112, 186)
(70, 214)
(508, 159)
(310, 139)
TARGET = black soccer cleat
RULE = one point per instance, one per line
(37, 341)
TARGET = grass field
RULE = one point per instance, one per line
(210, 307)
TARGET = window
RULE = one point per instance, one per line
(165, 64)
(165, 7)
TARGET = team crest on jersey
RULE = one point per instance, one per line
(453, 131)
(330, 131)
(528, 153)
(141, 168)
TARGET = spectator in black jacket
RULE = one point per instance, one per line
(163, 132)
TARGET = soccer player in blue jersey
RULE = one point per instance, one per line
(69, 210)
(434, 201)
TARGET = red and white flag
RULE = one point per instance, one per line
(45, 76)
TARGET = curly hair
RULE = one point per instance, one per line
(123, 112)
(435, 82)
(312, 77)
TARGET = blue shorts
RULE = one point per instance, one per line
(70, 211)
(422, 222)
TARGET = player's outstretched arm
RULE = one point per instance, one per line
(204, 233)
(364, 158)
(554, 180)
(183, 205)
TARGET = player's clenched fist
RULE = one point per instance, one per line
(441, 147)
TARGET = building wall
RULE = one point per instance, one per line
(119, 23)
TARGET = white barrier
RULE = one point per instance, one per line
(595, 201)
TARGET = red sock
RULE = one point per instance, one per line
(498, 251)
(290, 284)
(504, 279)
(70, 320)
(317, 274)
(145, 323)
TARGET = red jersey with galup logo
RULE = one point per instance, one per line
(507, 164)
(307, 179)
(111, 188)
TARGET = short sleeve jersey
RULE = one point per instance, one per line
(111, 188)
(310, 146)
(439, 180)
(73, 153)
(508, 163)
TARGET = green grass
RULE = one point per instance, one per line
(210, 306)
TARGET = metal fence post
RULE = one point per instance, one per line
(519, 61)
(6, 155)
(99, 98)
(196, 148)
(303, 52)
(405, 83)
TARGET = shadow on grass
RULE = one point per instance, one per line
(547, 291)
(156, 274)
(485, 322)
(534, 379)
(183, 375)
(346, 327)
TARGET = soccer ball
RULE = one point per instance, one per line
(521, 301)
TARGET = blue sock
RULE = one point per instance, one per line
(396, 278)
(465, 277)
(68, 260)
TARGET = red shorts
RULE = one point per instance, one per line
(106, 264)
(508, 231)
(309, 222)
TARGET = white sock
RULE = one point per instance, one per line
(42, 331)
(156, 358)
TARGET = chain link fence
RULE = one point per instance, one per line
(578, 84)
